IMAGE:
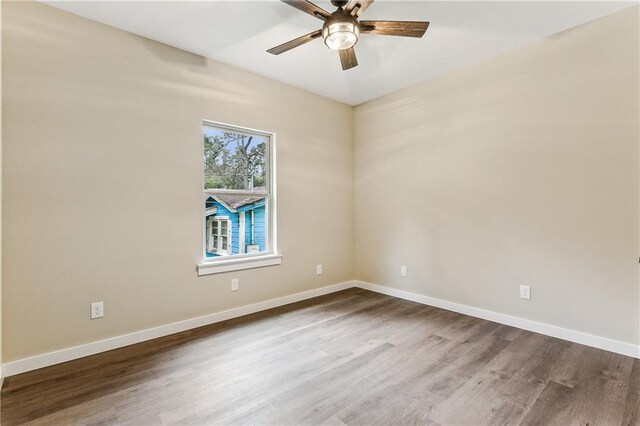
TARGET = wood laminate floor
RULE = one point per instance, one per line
(349, 358)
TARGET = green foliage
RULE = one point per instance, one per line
(231, 161)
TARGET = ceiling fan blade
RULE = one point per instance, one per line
(295, 42)
(348, 58)
(394, 28)
(357, 7)
(308, 7)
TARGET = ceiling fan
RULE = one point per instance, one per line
(342, 28)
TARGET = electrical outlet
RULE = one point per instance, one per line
(235, 284)
(318, 269)
(403, 271)
(97, 310)
(525, 292)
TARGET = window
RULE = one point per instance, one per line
(238, 198)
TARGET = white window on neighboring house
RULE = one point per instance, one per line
(219, 237)
(239, 203)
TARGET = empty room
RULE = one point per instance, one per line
(322, 212)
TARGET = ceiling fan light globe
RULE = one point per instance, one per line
(340, 35)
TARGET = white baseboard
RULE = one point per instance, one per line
(525, 324)
(68, 354)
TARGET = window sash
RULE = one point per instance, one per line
(267, 158)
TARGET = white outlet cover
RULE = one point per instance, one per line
(403, 271)
(318, 269)
(525, 292)
(235, 284)
(97, 310)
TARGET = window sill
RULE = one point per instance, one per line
(230, 265)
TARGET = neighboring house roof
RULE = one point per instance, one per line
(236, 201)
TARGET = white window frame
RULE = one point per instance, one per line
(270, 257)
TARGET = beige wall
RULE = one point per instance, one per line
(522, 169)
(103, 175)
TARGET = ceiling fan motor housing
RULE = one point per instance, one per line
(339, 3)
(341, 30)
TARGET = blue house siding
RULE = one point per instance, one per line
(259, 228)
(260, 236)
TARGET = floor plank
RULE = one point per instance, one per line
(349, 358)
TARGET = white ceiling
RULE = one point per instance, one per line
(239, 32)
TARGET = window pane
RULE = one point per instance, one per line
(234, 161)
